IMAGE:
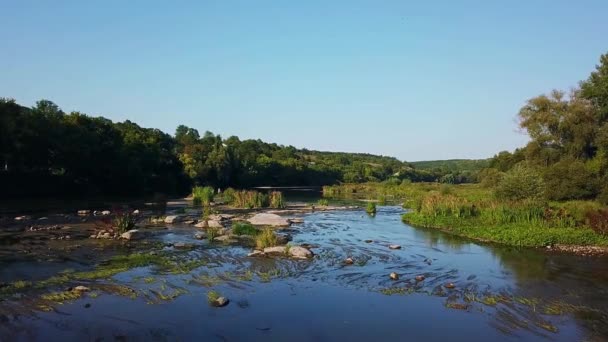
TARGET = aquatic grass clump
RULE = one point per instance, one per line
(276, 200)
(124, 221)
(228, 196)
(202, 195)
(250, 199)
(243, 228)
(323, 202)
(212, 233)
(266, 238)
(371, 208)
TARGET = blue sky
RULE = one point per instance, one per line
(416, 80)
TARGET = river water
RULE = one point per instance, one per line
(498, 293)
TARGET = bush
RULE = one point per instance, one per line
(266, 238)
(242, 228)
(569, 179)
(520, 183)
(603, 196)
(371, 208)
(202, 195)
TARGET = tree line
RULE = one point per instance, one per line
(47, 152)
(567, 155)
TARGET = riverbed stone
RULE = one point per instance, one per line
(220, 302)
(275, 250)
(106, 212)
(420, 278)
(209, 224)
(394, 247)
(225, 239)
(349, 261)
(23, 218)
(173, 219)
(132, 234)
(83, 212)
(394, 276)
(256, 253)
(299, 252)
(200, 236)
(81, 288)
(266, 219)
(296, 220)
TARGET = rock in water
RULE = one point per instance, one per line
(222, 301)
(265, 219)
(275, 250)
(449, 286)
(299, 252)
(349, 261)
(394, 276)
(394, 246)
(256, 253)
(420, 278)
(199, 236)
(132, 234)
(105, 213)
(173, 219)
(81, 288)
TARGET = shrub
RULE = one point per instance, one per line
(520, 183)
(242, 228)
(202, 195)
(371, 208)
(603, 196)
(276, 200)
(266, 238)
(569, 179)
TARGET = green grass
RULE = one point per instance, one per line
(276, 200)
(323, 202)
(243, 228)
(250, 200)
(202, 195)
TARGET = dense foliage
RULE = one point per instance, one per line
(568, 146)
(46, 152)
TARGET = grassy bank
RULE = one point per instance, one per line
(472, 211)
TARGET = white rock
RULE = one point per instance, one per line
(136, 212)
(81, 288)
(225, 239)
(265, 219)
(394, 276)
(105, 213)
(394, 246)
(84, 212)
(200, 236)
(22, 218)
(299, 252)
(209, 224)
(222, 301)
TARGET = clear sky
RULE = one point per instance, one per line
(417, 80)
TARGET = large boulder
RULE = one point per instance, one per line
(299, 252)
(265, 219)
(132, 234)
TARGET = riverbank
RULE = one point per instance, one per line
(473, 212)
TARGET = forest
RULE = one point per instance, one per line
(47, 152)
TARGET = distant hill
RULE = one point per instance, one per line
(453, 165)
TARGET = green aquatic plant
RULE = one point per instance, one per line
(212, 233)
(213, 296)
(250, 199)
(228, 196)
(202, 195)
(244, 228)
(323, 202)
(371, 208)
(276, 200)
(266, 238)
